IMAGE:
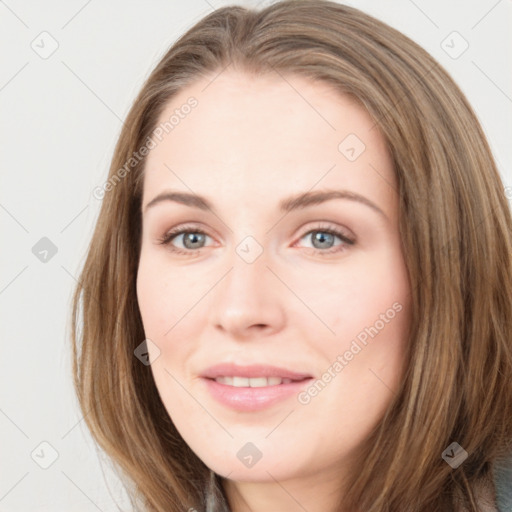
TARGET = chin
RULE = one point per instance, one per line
(256, 474)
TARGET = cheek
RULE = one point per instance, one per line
(149, 297)
(165, 324)
(370, 318)
(369, 292)
(163, 295)
(169, 308)
(160, 312)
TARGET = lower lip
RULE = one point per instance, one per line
(253, 399)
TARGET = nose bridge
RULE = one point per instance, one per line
(250, 249)
(246, 295)
(248, 277)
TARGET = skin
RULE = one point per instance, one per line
(248, 144)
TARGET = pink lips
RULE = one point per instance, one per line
(252, 371)
(252, 398)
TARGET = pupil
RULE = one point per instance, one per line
(193, 238)
(321, 237)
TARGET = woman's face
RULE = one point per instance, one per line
(273, 278)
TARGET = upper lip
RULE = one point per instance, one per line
(251, 371)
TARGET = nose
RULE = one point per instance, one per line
(249, 300)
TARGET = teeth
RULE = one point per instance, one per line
(258, 382)
(240, 382)
(254, 382)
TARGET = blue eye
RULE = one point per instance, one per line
(194, 238)
(191, 237)
(323, 240)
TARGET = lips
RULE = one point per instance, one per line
(252, 388)
(251, 382)
(252, 372)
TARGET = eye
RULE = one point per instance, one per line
(192, 239)
(323, 240)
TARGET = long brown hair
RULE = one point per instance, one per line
(456, 231)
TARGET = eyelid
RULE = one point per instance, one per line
(327, 226)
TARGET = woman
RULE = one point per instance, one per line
(368, 370)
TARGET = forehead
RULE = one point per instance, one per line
(254, 133)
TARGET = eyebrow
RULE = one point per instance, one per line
(296, 202)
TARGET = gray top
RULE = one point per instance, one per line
(503, 483)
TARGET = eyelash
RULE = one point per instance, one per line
(173, 233)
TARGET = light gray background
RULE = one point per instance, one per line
(60, 119)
